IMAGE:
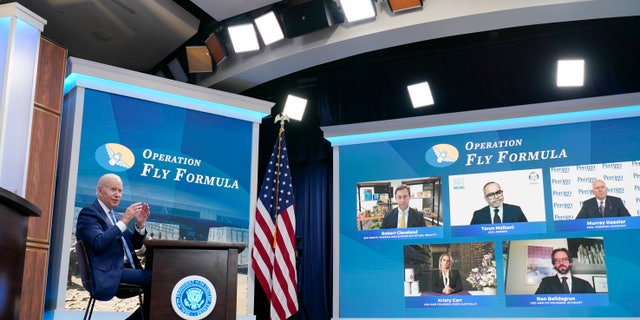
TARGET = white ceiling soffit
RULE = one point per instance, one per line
(438, 19)
(118, 25)
(224, 9)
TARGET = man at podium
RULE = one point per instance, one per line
(110, 244)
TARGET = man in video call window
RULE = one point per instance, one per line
(497, 211)
(402, 216)
(563, 281)
(602, 205)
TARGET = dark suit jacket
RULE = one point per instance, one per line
(437, 282)
(104, 249)
(613, 207)
(553, 285)
(510, 213)
(415, 219)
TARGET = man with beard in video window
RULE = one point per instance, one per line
(563, 281)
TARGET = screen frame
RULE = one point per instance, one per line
(524, 116)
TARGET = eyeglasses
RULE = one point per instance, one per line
(494, 194)
(558, 260)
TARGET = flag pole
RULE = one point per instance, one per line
(274, 249)
(282, 118)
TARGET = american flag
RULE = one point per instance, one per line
(274, 260)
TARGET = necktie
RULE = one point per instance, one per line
(125, 247)
(401, 223)
(496, 217)
(565, 285)
(601, 208)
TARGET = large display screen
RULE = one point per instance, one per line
(542, 178)
(191, 167)
(175, 159)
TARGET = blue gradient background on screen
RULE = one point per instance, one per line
(222, 144)
(372, 272)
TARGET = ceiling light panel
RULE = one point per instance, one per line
(269, 28)
(243, 37)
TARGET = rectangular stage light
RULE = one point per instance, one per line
(215, 48)
(269, 28)
(570, 73)
(420, 94)
(199, 59)
(402, 5)
(243, 37)
(357, 10)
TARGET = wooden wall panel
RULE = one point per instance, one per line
(51, 71)
(41, 175)
(42, 171)
(32, 305)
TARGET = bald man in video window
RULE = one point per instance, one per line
(602, 205)
(496, 210)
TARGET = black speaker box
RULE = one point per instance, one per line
(305, 18)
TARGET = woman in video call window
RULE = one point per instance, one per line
(446, 280)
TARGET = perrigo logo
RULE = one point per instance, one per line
(441, 155)
(115, 157)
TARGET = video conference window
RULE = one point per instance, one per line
(382, 204)
(555, 272)
(577, 191)
(474, 196)
(454, 269)
(598, 196)
(491, 203)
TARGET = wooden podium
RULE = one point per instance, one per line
(14, 220)
(173, 260)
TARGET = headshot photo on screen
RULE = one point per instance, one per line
(602, 205)
(555, 266)
(592, 191)
(450, 269)
(402, 216)
(497, 211)
(410, 203)
(446, 280)
(496, 197)
(563, 281)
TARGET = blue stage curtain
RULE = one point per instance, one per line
(313, 227)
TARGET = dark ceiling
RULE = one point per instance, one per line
(483, 70)
(467, 71)
(498, 68)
